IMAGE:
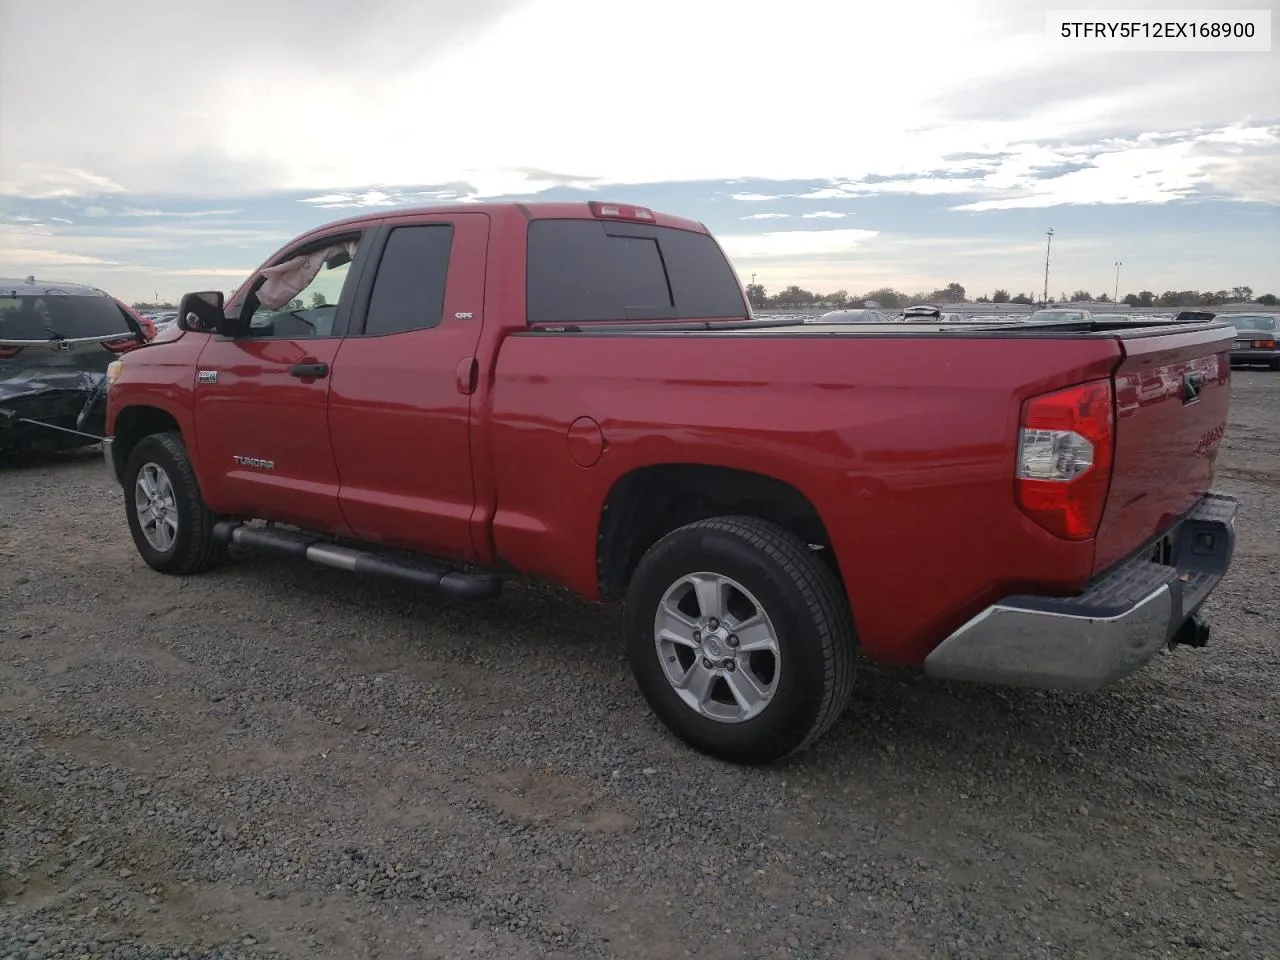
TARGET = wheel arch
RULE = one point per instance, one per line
(648, 502)
(134, 422)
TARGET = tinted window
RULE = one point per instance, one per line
(48, 316)
(408, 291)
(581, 270)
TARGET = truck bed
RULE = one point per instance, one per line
(906, 435)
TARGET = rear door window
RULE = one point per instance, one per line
(408, 291)
(584, 270)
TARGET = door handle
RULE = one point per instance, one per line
(309, 370)
(468, 375)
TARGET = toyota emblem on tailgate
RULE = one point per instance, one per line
(1192, 383)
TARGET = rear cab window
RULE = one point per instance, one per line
(594, 270)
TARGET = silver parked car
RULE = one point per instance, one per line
(1256, 338)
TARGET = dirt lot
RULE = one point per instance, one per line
(278, 760)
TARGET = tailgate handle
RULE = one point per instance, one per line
(309, 369)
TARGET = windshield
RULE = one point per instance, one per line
(53, 316)
(1253, 322)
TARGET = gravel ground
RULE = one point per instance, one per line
(276, 760)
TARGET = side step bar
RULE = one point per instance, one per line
(306, 546)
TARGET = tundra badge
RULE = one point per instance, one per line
(207, 376)
(253, 462)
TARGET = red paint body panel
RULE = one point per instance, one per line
(904, 440)
(913, 483)
(400, 393)
(257, 409)
(161, 378)
(1165, 450)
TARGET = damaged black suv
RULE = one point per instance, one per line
(56, 341)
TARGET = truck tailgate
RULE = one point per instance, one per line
(1172, 394)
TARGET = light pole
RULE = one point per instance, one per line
(1116, 298)
(1048, 247)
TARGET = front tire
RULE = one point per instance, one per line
(740, 639)
(170, 523)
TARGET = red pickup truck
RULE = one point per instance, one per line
(579, 392)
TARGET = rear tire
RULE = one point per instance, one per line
(1275, 365)
(170, 523)
(774, 690)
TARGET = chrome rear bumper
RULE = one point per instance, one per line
(1112, 629)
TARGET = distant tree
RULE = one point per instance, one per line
(1081, 296)
(318, 300)
(756, 295)
(951, 293)
(982, 299)
(296, 304)
(794, 296)
(1244, 294)
(1146, 299)
(888, 298)
(1179, 298)
(1000, 296)
(1103, 298)
(837, 299)
(1023, 299)
(1132, 299)
(1268, 299)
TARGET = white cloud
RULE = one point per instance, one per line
(791, 243)
(1149, 168)
(370, 198)
(23, 260)
(399, 107)
(131, 212)
(825, 215)
(753, 197)
(765, 216)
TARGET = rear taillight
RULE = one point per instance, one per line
(123, 346)
(1064, 458)
(7, 352)
(1264, 344)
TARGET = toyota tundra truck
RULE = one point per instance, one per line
(580, 393)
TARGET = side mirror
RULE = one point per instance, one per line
(201, 312)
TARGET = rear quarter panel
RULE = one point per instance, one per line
(904, 444)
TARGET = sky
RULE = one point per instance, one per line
(152, 146)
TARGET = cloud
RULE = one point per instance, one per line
(18, 261)
(825, 215)
(752, 197)
(398, 107)
(34, 180)
(792, 243)
(1147, 168)
(130, 212)
(765, 216)
(371, 198)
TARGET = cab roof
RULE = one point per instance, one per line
(536, 210)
